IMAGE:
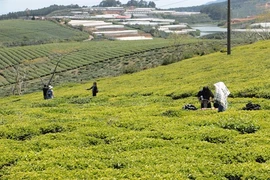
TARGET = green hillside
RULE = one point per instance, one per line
(31, 32)
(136, 128)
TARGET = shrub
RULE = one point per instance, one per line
(233, 177)
(215, 139)
(80, 100)
(118, 165)
(172, 58)
(21, 133)
(48, 103)
(93, 141)
(260, 159)
(52, 128)
(129, 69)
(241, 126)
(160, 135)
(180, 96)
(170, 113)
(7, 112)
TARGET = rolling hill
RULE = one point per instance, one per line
(136, 128)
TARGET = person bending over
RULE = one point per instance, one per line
(205, 96)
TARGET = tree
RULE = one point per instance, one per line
(151, 4)
(142, 3)
(110, 3)
(132, 3)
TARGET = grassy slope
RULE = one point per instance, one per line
(25, 32)
(134, 129)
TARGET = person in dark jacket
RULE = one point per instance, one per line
(94, 89)
(205, 96)
(45, 90)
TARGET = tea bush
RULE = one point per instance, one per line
(240, 125)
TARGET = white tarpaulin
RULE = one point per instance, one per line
(222, 93)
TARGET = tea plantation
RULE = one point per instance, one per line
(135, 128)
(29, 67)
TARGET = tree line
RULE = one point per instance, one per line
(135, 3)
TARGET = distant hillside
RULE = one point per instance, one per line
(38, 12)
(31, 32)
(240, 9)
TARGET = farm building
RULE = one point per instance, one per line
(88, 23)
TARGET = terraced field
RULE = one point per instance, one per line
(89, 60)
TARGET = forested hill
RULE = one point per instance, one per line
(240, 9)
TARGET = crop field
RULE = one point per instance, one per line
(29, 32)
(135, 128)
(89, 60)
